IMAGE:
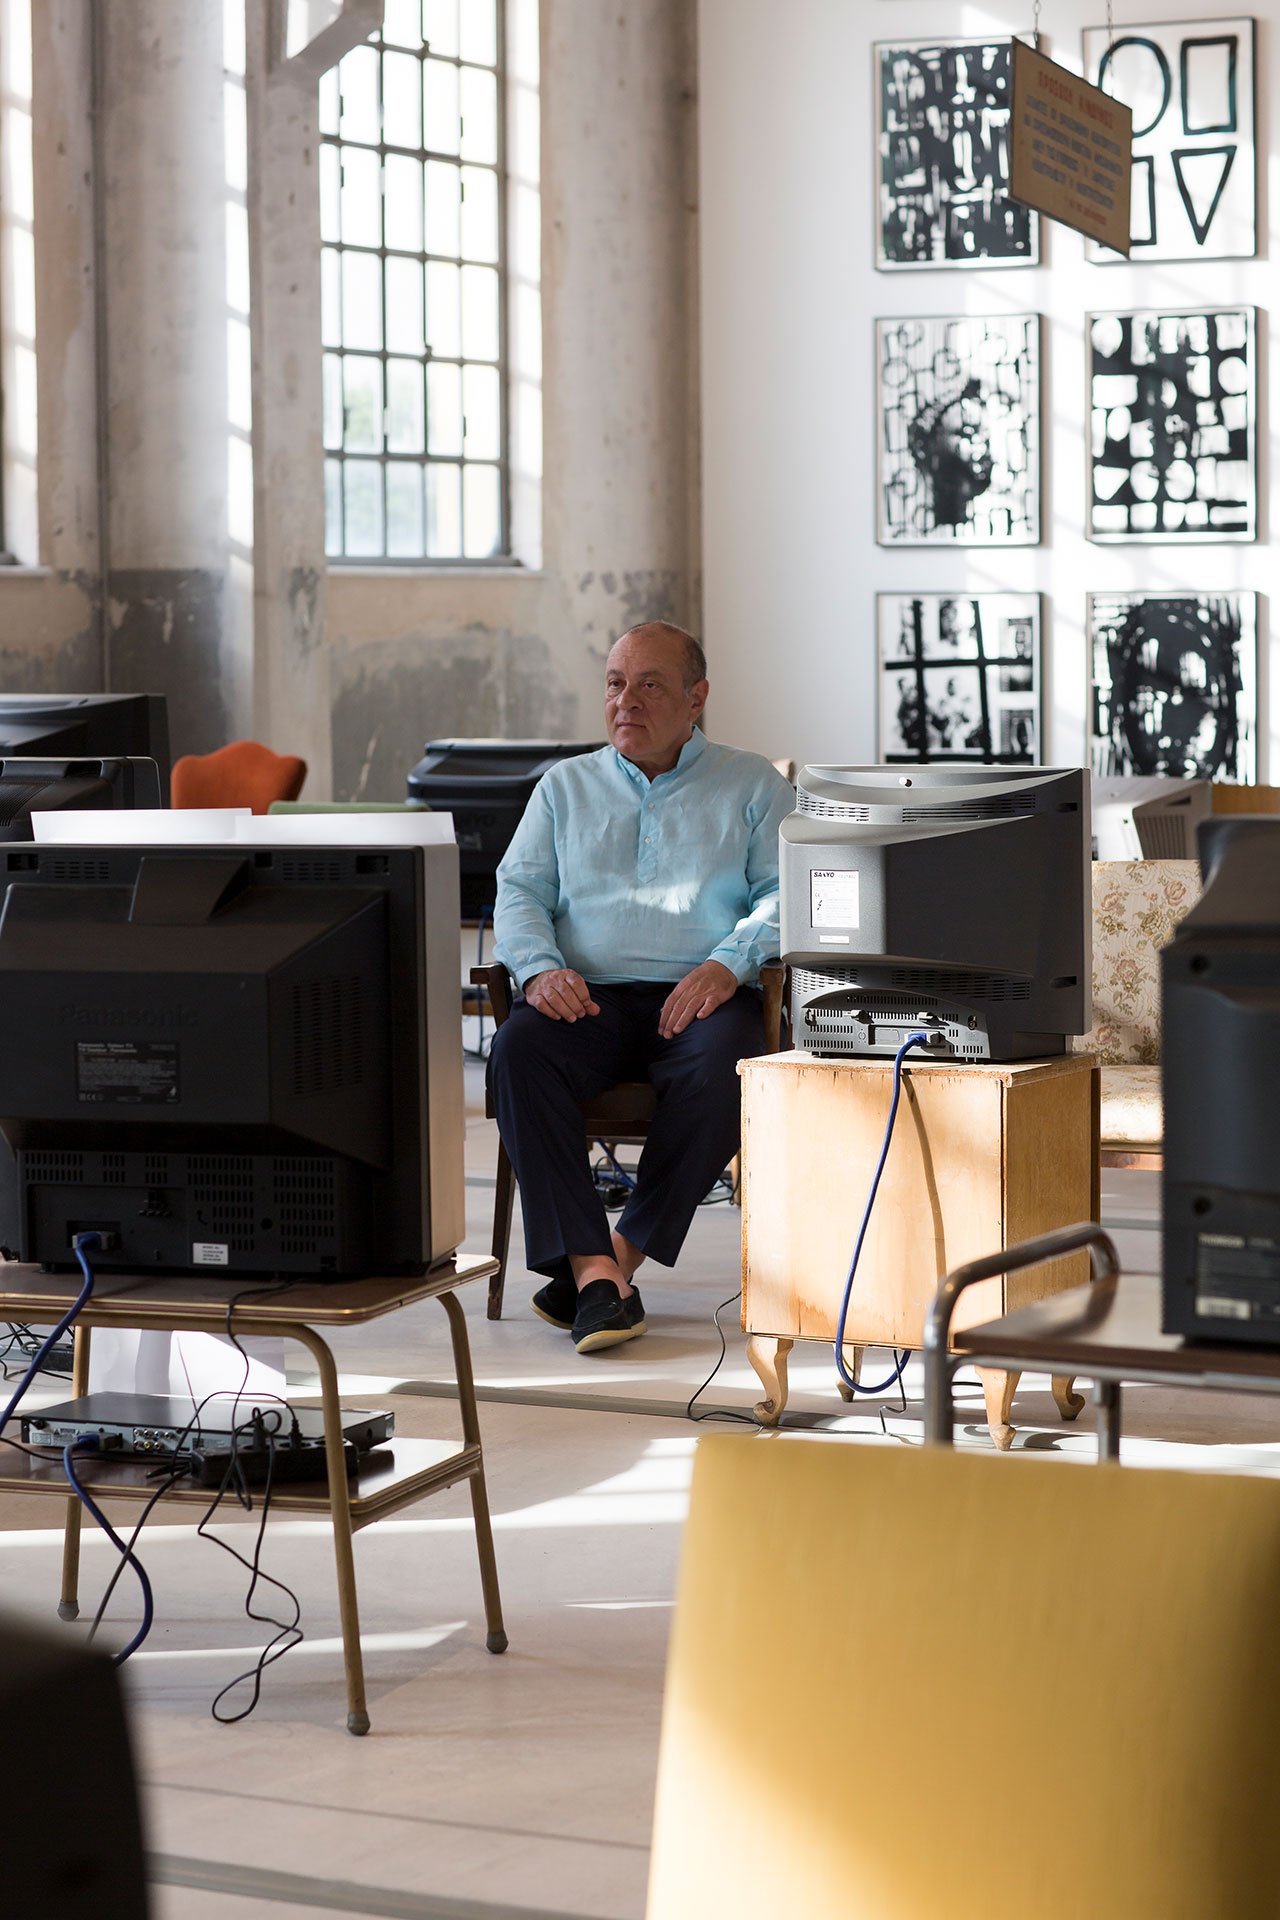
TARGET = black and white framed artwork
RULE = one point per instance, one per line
(958, 431)
(959, 677)
(1190, 84)
(1172, 424)
(942, 143)
(1175, 684)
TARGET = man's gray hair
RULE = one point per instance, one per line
(695, 660)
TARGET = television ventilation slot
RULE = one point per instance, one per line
(329, 871)
(219, 1169)
(305, 1203)
(805, 983)
(78, 871)
(302, 1173)
(1164, 837)
(997, 807)
(967, 986)
(830, 809)
(328, 1035)
(113, 1170)
(54, 1164)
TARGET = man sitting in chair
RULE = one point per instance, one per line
(635, 906)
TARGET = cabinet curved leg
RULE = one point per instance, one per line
(1069, 1402)
(998, 1388)
(852, 1360)
(768, 1355)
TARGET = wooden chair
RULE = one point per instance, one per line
(621, 1116)
(245, 774)
(922, 1685)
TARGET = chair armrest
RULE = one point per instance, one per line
(497, 984)
(774, 982)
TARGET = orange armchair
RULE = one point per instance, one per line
(245, 774)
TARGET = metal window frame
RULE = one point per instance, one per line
(503, 557)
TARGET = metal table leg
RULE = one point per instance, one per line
(496, 1639)
(1106, 1396)
(69, 1604)
(340, 1509)
(939, 1364)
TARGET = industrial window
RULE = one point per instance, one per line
(414, 322)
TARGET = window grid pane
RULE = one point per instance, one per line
(415, 401)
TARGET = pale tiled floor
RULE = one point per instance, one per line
(489, 1784)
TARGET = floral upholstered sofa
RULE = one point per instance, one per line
(1136, 906)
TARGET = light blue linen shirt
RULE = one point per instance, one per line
(623, 878)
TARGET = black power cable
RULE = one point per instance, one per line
(718, 1413)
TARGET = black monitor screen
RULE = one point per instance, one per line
(240, 1060)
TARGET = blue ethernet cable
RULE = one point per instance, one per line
(79, 1244)
(87, 1443)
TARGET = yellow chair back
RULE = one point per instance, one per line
(915, 1685)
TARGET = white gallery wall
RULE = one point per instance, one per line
(790, 295)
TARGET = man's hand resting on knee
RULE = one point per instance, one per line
(561, 994)
(694, 997)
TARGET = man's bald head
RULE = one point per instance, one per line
(693, 659)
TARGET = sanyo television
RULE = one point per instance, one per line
(948, 899)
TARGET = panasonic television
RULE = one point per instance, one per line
(953, 900)
(232, 1060)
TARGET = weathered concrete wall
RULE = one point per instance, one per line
(474, 659)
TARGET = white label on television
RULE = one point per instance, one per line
(210, 1253)
(833, 898)
(1223, 1307)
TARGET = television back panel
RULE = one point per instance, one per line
(247, 1060)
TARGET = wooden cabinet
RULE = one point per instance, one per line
(982, 1157)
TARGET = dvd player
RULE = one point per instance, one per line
(165, 1424)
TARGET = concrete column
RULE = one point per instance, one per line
(291, 663)
(180, 487)
(619, 264)
(50, 606)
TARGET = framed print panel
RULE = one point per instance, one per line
(1174, 684)
(959, 431)
(1190, 84)
(942, 146)
(1172, 425)
(959, 677)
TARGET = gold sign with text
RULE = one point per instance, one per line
(1071, 149)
